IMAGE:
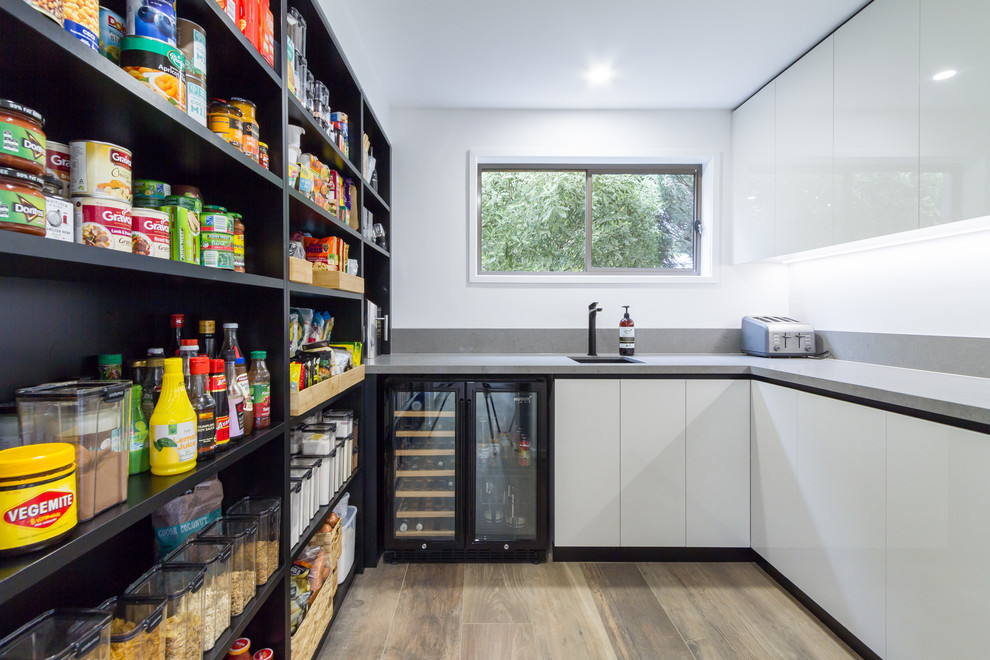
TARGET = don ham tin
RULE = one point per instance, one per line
(150, 232)
(99, 169)
(104, 223)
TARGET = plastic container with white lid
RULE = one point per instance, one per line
(318, 439)
(182, 588)
(348, 450)
(334, 477)
(343, 469)
(268, 511)
(60, 635)
(214, 556)
(95, 418)
(321, 475)
(242, 533)
(309, 506)
(348, 536)
(344, 419)
(137, 630)
(295, 511)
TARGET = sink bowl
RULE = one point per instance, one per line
(603, 359)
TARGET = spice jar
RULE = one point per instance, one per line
(20, 194)
(41, 476)
(240, 650)
(238, 242)
(226, 121)
(110, 366)
(23, 146)
(249, 125)
(263, 155)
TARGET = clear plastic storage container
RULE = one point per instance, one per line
(348, 537)
(343, 466)
(213, 556)
(295, 511)
(321, 475)
(318, 439)
(60, 635)
(95, 418)
(242, 533)
(182, 588)
(308, 493)
(137, 630)
(268, 511)
(344, 419)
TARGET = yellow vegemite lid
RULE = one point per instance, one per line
(35, 459)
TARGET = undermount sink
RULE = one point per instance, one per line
(603, 359)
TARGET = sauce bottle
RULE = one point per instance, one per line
(244, 386)
(261, 390)
(177, 323)
(173, 425)
(627, 334)
(235, 398)
(207, 340)
(230, 340)
(218, 390)
(151, 389)
(205, 407)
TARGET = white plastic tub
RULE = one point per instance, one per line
(348, 534)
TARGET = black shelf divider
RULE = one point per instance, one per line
(145, 493)
(320, 516)
(329, 152)
(374, 246)
(241, 621)
(375, 198)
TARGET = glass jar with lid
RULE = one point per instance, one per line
(22, 202)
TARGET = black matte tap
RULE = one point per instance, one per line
(593, 310)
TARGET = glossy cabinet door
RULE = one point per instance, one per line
(938, 533)
(652, 466)
(841, 467)
(718, 449)
(804, 154)
(778, 515)
(876, 121)
(754, 177)
(955, 112)
(586, 463)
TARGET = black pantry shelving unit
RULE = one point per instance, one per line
(65, 303)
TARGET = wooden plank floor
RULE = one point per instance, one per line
(572, 611)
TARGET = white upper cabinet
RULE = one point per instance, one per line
(955, 112)
(804, 189)
(753, 170)
(876, 121)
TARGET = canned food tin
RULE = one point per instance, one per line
(216, 219)
(142, 202)
(59, 215)
(57, 162)
(50, 8)
(217, 250)
(22, 140)
(151, 188)
(196, 98)
(151, 233)
(154, 19)
(99, 169)
(82, 21)
(103, 223)
(225, 121)
(192, 43)
(183, 217)
(22, 204)
(156, 64)
(238, 242)
(111, 32)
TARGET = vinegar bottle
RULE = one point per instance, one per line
(172, 446)
(627, 334)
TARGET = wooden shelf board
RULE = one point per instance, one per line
(425, 452)
(424, 514)
(424, 434)
(425, 493)
(424, 473)
(425, 534)
(425, 413)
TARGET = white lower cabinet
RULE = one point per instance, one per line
(938, 536)
(717, 447)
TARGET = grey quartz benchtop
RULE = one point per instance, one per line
(963, 398)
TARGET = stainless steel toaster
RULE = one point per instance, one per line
(777, 336)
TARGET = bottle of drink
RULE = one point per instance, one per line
(230, 340)
(218, 390)
(151, 389)
(404, 526)
(173, 425)
(207, 340)
(235, 398)
(138, 457)
(240, 367)
(177, 323)
(261, 390)
(138, 370)
(205, 407)
(627, 334)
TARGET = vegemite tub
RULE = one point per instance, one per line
(37, 496)
(158, 65)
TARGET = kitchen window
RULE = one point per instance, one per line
(601, 221)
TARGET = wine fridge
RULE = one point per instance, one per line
(466, 471)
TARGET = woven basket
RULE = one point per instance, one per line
(332, 545)
(310, 631)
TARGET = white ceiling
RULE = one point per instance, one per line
(535, 53)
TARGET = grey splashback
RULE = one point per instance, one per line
(561, 340)
(967, 356)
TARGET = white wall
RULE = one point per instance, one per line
(932, 287)
(430, 216)
(356, 51)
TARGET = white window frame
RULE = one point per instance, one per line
(709, 214)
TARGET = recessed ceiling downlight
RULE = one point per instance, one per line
(599, 75)
(944, 75)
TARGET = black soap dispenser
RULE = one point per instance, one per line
(627, 334)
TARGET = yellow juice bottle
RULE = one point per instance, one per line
(173, 425)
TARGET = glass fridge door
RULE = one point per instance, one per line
(507, 444)
(424, 464)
